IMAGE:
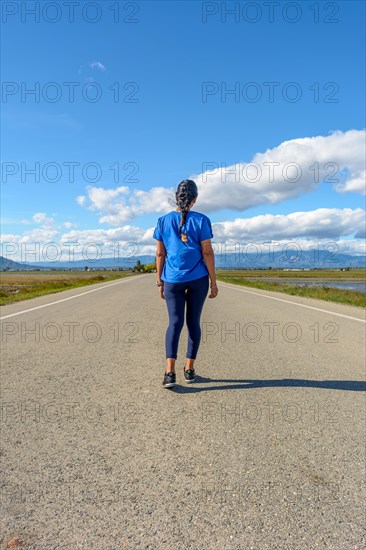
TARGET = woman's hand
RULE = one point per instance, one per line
(214, 291)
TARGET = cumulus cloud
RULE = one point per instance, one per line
(49, 241)
(45, 231)
(341, 229)
(288, 171)
(352, 247)
(106, 237)
(293, 168)
(41, 217)
(119, 205)
(355, 184)
(30, 240)
(323, 223)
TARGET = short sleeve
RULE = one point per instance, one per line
(157, 232)
(206, 229)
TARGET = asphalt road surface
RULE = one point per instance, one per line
(265, 451)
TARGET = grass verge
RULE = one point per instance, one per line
(17, 291)
(350, 297)
(354, 273)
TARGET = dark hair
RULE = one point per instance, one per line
(186, 192)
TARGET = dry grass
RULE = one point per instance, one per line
(353, 273)
(351, 297)
(17, 287)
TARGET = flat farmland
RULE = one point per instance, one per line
(331, 285)
(23, 285)
(359, 273)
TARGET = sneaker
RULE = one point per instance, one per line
(189, 375)
(169, 379)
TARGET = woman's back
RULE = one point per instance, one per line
(184, 261)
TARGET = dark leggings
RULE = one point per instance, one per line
(176, 297)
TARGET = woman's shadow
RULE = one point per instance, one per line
(247, 384)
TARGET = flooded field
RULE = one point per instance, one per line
(359, 286)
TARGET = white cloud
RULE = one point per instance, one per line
(355, 184)
(119, 205)
(69, 225)
(40, 217)
(343, 228)
(97, 65)
(102, 199)
(80, 200)
(124, 234)
(293, 168)
(356, 247)
(323, 223)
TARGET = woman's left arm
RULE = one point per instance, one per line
(160, 261)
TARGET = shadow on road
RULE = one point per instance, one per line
(347, 385)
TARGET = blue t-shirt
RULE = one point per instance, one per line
(184, 260)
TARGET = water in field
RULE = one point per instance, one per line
(360, 286)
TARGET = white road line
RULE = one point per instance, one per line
(234, 287)
(65, 299)
(227, 284)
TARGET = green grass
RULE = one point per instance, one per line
(14, 289)
(350, 297)
(24, 288)
(353, 273)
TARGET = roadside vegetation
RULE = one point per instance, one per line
(26, 285)
(348, 273)
(17, 286)
(342, 296)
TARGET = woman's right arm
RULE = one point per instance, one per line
(209, 257)
(160, 261)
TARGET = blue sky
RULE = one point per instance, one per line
(169, 133)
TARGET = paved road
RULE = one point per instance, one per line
(266, 451)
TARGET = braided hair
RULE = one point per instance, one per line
(186, 192)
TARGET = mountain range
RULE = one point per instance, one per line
(304, 259)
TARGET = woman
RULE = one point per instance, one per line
(185, 262)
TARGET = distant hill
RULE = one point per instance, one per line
(127, 262)
(5, 264)
(303, 259)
